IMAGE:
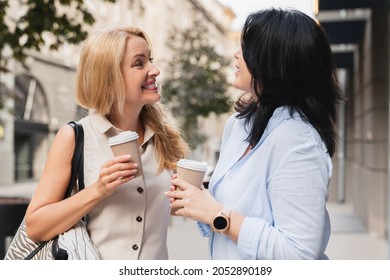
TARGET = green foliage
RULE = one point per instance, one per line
(196, 82)
(40, 17)
(64, 19)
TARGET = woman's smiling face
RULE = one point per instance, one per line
(243, 79)
(139, 73)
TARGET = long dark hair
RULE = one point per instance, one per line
(291, 63)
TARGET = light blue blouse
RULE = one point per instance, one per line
(281, 187)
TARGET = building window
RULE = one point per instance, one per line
(31, 128)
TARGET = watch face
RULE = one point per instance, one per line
(220, 223)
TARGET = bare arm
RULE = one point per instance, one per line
(48, 213)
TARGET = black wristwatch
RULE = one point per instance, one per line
(221, 221)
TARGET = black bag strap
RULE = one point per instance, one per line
(77, 160)
(76, 173)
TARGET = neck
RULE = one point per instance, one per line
(127, 121)
(130, 120)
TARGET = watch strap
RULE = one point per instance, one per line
(227, 212)
(223, 214)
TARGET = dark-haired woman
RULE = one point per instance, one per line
(268, 193)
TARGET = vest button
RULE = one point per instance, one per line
(139, 219)
(140, 190)
(135, 247)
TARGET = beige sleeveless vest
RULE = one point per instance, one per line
(133, 222)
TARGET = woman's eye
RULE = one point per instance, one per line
(151, 59)
(139, 64)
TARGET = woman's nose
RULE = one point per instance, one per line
(237, 53)
(154, 71)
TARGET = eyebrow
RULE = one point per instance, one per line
(139, 55)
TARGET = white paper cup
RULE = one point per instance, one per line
(192, 171)
(126, 142)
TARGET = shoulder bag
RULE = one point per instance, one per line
(74, 244)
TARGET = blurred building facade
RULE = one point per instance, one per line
(359, 33)
(45, 95)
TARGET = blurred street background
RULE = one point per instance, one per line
(39, 49)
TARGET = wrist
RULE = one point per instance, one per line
(221, 221)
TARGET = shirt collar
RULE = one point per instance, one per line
(280, 114)
(149, 133)
(104, 125)
(101, 122)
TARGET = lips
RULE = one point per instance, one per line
(237, 70)
(150, 85)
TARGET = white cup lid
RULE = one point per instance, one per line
(124, 136)
(193, 164)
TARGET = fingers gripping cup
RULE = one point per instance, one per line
(192, 171)
(126, 142)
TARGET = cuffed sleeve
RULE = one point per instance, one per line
(203, 229)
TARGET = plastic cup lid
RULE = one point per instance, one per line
(192, 164)
(124, 136)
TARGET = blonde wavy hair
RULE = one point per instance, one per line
(100, 86)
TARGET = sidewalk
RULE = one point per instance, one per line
(348, 240)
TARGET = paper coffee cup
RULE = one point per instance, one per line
(126, 142)
(192, 171)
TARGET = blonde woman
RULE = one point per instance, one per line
(128, 215)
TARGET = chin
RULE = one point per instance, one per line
(237, 86)
(155, 98)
